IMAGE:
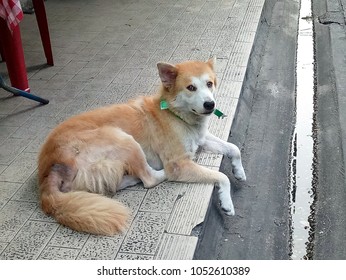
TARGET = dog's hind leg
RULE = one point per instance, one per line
(214, 144)
(149, 176)
(116, 162)
(189, 171)
(139, 167)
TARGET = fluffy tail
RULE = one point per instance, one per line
(81, 211)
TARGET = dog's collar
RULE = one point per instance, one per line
(165, 106)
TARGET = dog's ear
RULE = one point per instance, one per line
(211, 62)
(168, 73)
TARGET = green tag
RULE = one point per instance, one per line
(219, 114)
(163, 105)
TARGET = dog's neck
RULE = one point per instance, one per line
(189, 117)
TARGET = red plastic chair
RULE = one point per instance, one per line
(12, 49)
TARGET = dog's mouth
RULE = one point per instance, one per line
(205, 113)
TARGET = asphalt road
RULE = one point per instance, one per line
(330, 209)
(263, 128)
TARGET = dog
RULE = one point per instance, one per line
(149, 139)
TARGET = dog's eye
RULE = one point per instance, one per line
(191, 88)
(209, 84)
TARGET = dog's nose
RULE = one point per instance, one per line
(209, 105)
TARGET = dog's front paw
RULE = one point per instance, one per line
(228, 208)
(239, 174)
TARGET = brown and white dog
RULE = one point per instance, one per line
(149, 139)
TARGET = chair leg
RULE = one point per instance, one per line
(42, 23)
(2, 54)
(14, 54)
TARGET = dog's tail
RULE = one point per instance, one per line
(79, 210)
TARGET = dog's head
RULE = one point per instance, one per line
(189, 86)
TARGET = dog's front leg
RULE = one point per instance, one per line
(215, 145)
(189, 171)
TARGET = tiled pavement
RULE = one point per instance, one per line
(106, 52)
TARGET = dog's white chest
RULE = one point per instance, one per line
(191, 144)
(193, 139)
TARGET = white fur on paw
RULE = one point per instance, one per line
(228, 209)
(161, 175)
(239, 174)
